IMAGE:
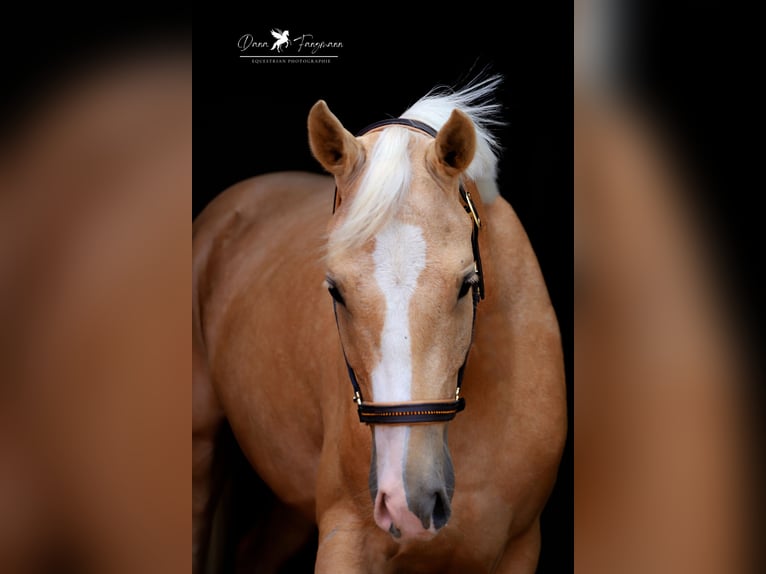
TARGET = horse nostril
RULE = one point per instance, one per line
(432, 509)
(441, 512)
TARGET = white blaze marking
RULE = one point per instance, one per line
(390, 454)
(399, 256)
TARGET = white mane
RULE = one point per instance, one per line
(387, 177)
(475, 100)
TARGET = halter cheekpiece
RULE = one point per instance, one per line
(418, 412)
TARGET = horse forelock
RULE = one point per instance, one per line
(381, 190)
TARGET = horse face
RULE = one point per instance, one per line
(405, 316)
(402, 286)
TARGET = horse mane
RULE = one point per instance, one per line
(387, 178)
(475, 99)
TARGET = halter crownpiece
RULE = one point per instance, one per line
(419, 412)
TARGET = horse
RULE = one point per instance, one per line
(437, 319)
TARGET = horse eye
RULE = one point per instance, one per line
(335, 294)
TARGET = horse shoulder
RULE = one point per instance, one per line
(251, 253)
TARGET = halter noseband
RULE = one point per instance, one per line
(413, 412)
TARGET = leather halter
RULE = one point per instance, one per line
(419, 412)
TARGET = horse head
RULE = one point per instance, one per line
(400, 265)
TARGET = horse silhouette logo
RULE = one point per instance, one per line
(282, 39)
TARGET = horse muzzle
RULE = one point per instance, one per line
(412, 481)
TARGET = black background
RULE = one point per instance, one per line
(251, 119)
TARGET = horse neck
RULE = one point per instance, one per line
(517, 305)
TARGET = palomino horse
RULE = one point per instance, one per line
(416, 225)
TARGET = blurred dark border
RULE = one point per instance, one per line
(44, 48)
(696, 69)
(699, 69)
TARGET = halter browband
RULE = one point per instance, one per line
(418, 412)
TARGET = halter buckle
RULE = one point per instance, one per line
(357, 398)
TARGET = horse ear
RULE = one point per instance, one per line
(455, 144)
(332, 145)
